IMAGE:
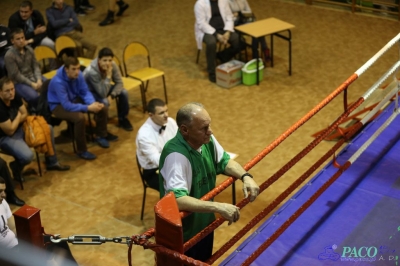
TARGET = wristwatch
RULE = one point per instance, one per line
(246, 174)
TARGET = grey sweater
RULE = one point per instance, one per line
(22, 68)
(99, 83)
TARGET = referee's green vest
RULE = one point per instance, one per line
(204, 172)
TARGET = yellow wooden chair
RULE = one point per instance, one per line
(38, 163)
(64, 42)
(144, 75)
(129, 83)
(44, 52)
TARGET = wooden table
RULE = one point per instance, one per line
(272, 27)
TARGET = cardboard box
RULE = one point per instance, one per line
(229, 74)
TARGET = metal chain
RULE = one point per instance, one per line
(91, 239)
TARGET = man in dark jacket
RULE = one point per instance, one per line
(5, 44)
(63, 20)
(33, 25)
(32, 22)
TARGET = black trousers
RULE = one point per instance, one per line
(151, 178)
(5, 174)
(202, 251)
(225, 55)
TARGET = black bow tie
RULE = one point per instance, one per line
(162, 128)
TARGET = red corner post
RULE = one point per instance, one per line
(29, 226)
(168, 228)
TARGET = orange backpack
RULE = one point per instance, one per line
(37, 134)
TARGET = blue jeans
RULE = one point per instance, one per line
(29, 94)
(122, 102)
(16, 146)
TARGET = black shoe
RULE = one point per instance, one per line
(108, 20)
(111, 137)
(13, 199)
(88, 7)
(125, 124)
(120, 3)
(87, 155)
(19, 178)
(212, 78)
(80, 12)
(102, 142)
(58, 167)
(122, 10)
(16, 171)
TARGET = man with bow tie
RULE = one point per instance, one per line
(151, 138)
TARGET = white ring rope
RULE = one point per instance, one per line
(387, 98)
(398, 85)
(377, 55)
(397, 95)
(372, 138)
(377, 84)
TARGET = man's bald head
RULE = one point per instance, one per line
(186, 113)
(194, 124)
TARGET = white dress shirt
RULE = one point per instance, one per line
(7, 237)
(150, 142)
(202, 12)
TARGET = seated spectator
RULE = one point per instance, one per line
(32, 23)
(12, 115)
(151, 138)
(214, 23)
(69, 98)
(63, 21)
(99, 76)
(5, 174)
(9, 241)
(5, 44)
(34, 27)
(23, 69)
(81, 6)
(242, 14)
(111, 10)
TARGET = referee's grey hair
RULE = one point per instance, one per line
(184, 115)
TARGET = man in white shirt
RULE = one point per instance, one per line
(7, 236)
(214, 23)
(10, 250)
(151, 138)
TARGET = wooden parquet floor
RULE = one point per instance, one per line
(104, 196)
